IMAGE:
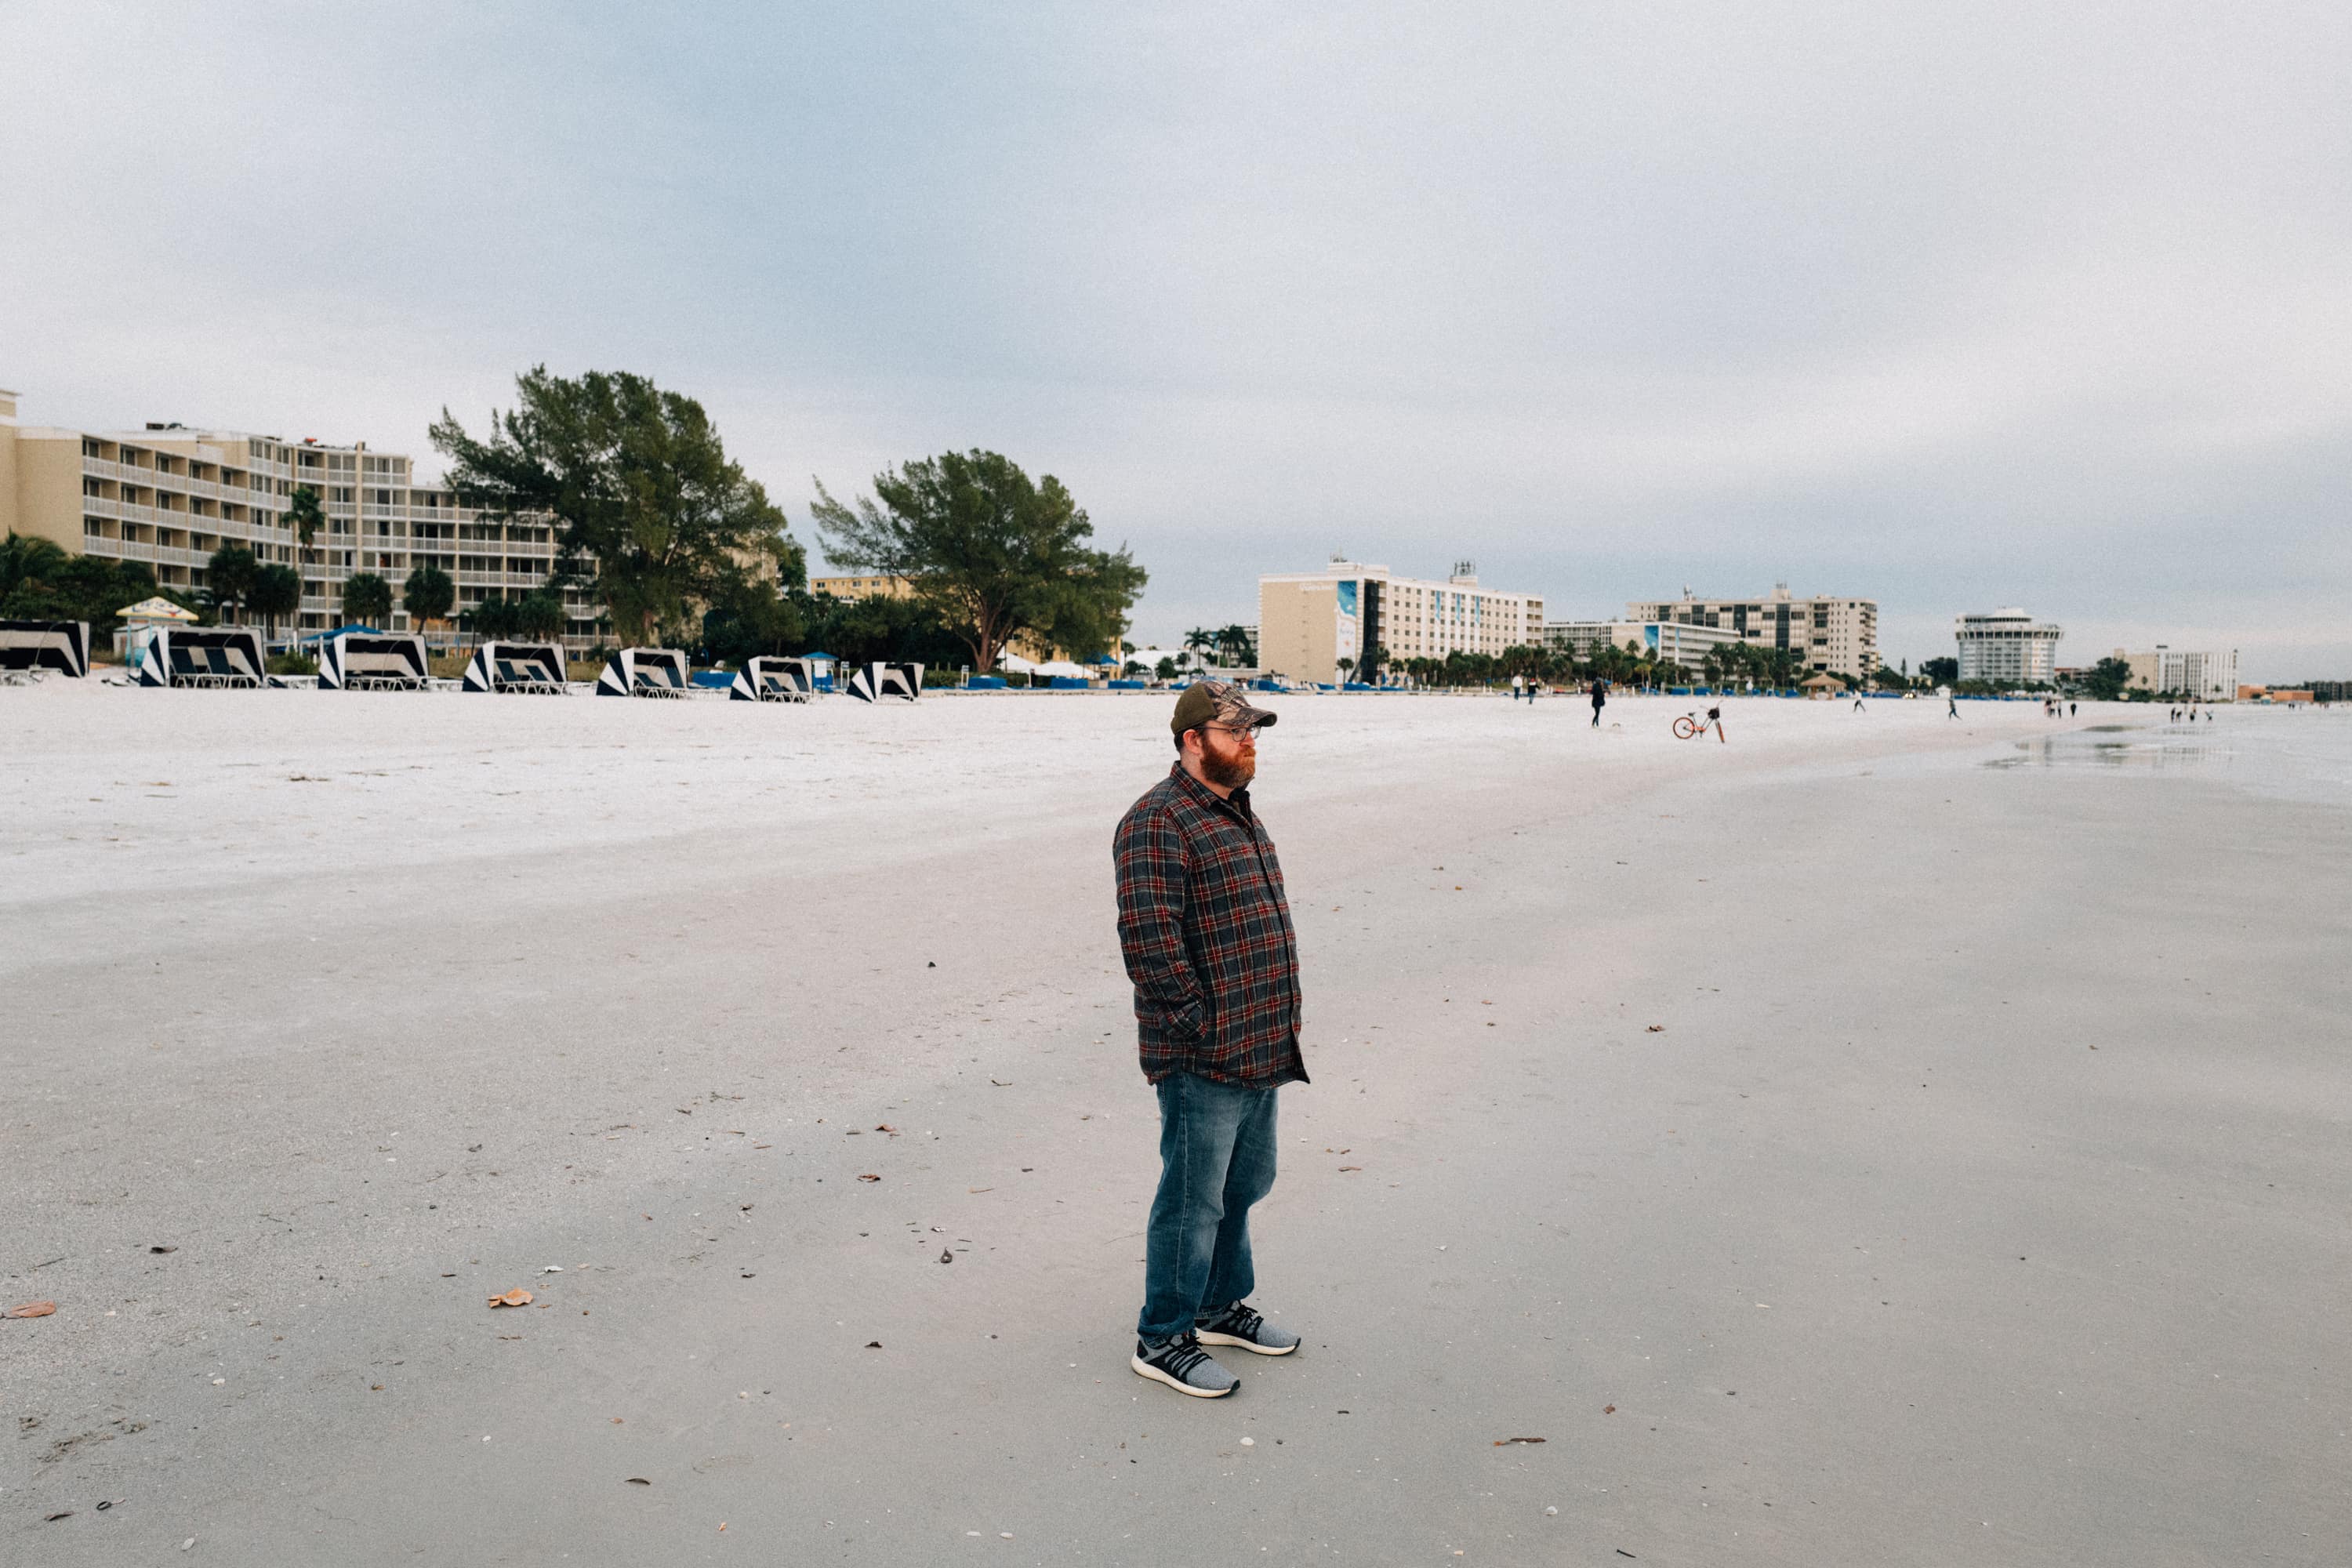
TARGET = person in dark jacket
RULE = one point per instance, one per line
(1600, 699)
(1205, 928)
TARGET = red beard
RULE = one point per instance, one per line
(1228, 773)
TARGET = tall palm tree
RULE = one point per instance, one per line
(306, 515)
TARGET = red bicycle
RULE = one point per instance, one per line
(1690, 726)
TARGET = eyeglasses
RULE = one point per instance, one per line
(1246, 733)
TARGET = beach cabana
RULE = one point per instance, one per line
(366, 660)
(535, 667)
(198, 656)
(872, 682)
(1821, 686)
(645, 672)
(62, 647)
(766, 679)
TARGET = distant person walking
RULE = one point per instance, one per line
(1951, 705)
(1519, 684)
(1204, 926)
(1857, 705)
(1600, 699)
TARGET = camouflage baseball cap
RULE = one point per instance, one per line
(1215, 703)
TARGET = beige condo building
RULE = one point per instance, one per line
(1831, 633)
(170, 496)
(1309, 621)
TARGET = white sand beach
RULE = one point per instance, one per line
(1880, 1139)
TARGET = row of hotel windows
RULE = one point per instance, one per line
(196, 467)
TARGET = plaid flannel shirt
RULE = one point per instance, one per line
(1205, 930)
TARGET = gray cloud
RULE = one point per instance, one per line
(1952, 305)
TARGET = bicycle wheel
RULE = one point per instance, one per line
(1685, 728)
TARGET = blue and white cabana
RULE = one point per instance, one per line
(872, 682)
(769, 679)
(534, 667)
(645, 672)
(198, 656)
(60, 647)
(371, 661)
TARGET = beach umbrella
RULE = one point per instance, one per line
(156, 609)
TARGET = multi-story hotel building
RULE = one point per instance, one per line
(854, 588)
(2206, 675)
(1309, 621)
(1838, 634)
(1673, 642)
(2008, 645)
(171, 496)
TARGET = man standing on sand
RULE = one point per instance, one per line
(1599, 698)
(1205, 930)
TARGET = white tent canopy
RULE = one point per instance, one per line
(1060, 667)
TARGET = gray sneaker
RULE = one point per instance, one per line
(1184, 1366)
(1237, 1325)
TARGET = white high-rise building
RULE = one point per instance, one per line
(2208, 675)
(2007, 645)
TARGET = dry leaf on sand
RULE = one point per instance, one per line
(517, 1296)
(31, 1310)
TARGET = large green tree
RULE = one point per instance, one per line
(643, 495)
(429, 595)
(2108, 679)
(229, 577)
(41, 581)
(496, 619)
(367, 598)
(277, 591)
(28, 559)
(992, 553)
(539, 615)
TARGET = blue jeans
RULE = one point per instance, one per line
(1216, 1158)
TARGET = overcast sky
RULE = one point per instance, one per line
(1951, 306)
